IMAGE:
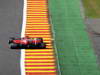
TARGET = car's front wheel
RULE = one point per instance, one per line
(13, 46)
(10, 41)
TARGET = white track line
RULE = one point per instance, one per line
(22, 58)
(54, 39)
(55, 48)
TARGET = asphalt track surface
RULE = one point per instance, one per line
(10, 25)
(93, 27)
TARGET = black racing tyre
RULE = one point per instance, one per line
(10, 41)
(13, 46)
(42, 45)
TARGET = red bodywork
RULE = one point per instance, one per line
(26, 41)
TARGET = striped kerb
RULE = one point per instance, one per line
(39, 61)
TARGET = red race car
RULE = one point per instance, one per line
(26, 43)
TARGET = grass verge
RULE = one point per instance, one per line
(75, 52)
(92, 8)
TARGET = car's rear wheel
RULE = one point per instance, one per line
(42, 45)
(13, 46)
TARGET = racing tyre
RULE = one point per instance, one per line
(10, 41)
(42, 45)
(13, 46)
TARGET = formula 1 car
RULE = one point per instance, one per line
(26, 43)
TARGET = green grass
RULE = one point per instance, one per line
(76, 55)
(92, 8)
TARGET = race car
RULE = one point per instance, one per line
(26, 43)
